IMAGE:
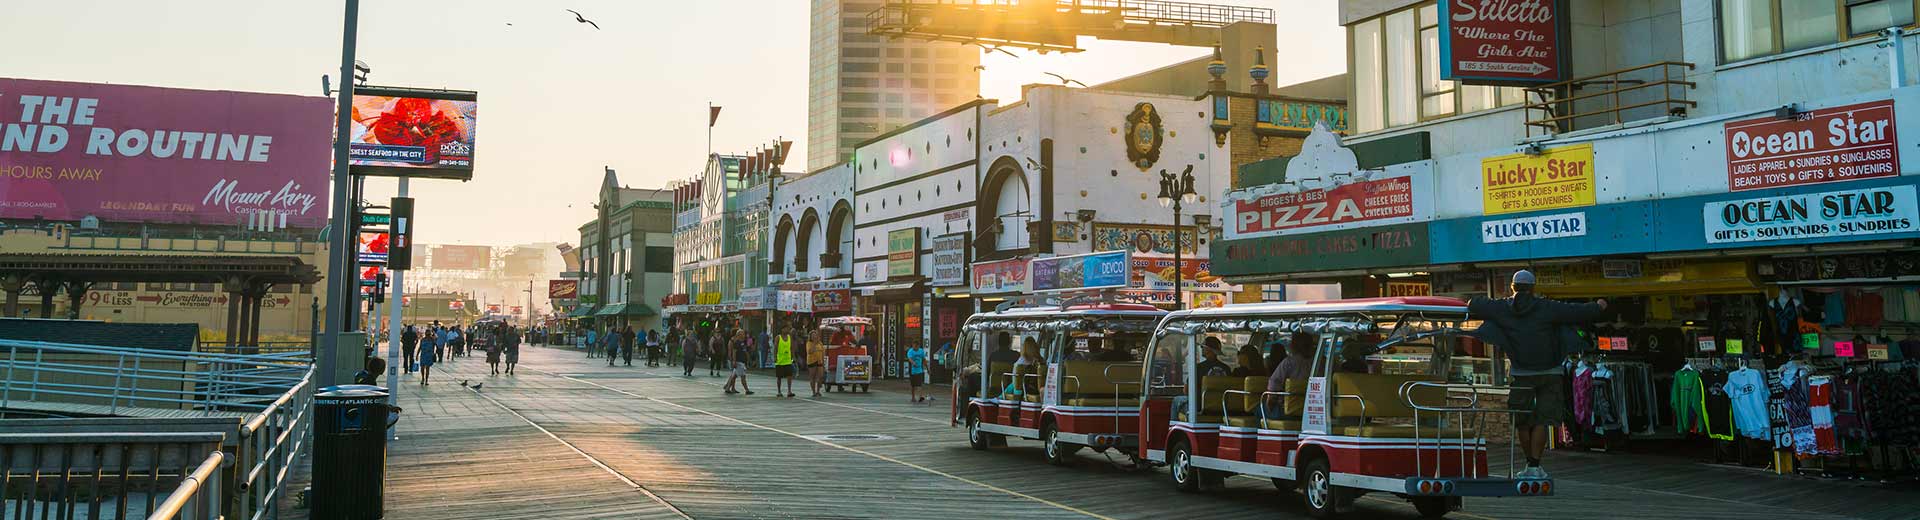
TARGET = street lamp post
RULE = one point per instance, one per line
(1174, 190)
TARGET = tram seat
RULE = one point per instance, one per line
(997, 378)
(1213, 397)
(1032, 384)
(1086, 383)
(1281, 424)
(1381, 395)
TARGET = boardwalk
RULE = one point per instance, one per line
(571, 438)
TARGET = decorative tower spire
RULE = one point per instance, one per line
(1259, 70)
(1217, 68)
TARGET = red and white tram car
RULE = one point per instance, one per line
(1064, 372)
(1349, 424)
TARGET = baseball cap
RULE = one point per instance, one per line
(1523, 277)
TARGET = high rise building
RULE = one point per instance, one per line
(862, 85)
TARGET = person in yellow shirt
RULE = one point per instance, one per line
(783, 360)
(816, 363)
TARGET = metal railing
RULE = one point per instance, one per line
(1630, 94)
(116, 377)
(267, 398)
(121, 475)
(1471, 417)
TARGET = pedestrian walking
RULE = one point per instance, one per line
(493, 349)
(457, 341)
(429, 349)
(627, 344)
(783, 349)
(409, 340)
(737, 359)
(1530, 329)
(653, 347)
(672, 346)
(593, 343)
(816, 363)
(716, 353)
(689, 351)
(610, 345)
(513, 349)
(916, 373)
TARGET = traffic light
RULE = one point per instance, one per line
(400, 241)
(380, 287)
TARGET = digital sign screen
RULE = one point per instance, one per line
(413, 133)
(373, 247)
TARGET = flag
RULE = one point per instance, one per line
(713, 115)
(780, 152)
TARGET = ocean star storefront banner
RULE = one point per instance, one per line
(127, 153)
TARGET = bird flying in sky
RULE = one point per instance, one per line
(583, 19)
(1064, 80)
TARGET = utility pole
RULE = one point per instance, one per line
(396, 228)
(529, 303)
(341, 282)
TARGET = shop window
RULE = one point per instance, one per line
(1756, 28)
(1396, 73)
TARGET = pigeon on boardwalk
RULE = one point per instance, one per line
(463, 383)
(582, 19)
(476, 386)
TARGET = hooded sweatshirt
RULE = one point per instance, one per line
(1526, 327)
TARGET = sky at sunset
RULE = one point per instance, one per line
(558, 99)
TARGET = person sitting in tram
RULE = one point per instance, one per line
(1249, 359)
(1003, 351)
(1029, 363)
(1210, 364)
(1297, 366)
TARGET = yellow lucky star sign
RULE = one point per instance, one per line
(1555, 178)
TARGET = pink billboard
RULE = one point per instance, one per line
(128, 153)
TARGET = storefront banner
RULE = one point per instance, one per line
(832, 296)
(870, 272)
(1552, 179)
(794, 297)
(949, 260)
(1844, 213)
(1265, 212)
(1079, 272)
(1831, 144)
(1404, 289)
(1000, 276)
(708, 298)
(135, 154)
(903, 253)
(563, 289)
(1531, 228)
(753, 298)
(1385, 246)
(1142, 238)
(1507, 42)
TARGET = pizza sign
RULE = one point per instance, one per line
(1504, 42)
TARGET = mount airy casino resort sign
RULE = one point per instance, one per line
(161, 155)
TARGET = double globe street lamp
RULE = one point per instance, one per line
(1175, 190)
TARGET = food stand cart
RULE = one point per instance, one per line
(848, 363)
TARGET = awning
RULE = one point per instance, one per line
(585, 311)
(896, 291)
(626, 309)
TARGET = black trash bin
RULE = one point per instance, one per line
(349, 452)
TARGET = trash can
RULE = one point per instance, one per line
(350, 452)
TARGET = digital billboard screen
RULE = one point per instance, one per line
(413, 133)
(137, 154)
(373, 247)
(464, 258)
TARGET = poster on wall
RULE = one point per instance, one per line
(1552, 179)
(1079, 272)
(1142, 238)
(1000, 276)
(1514, 43)
(903, 252)
(1831, 144)
(135, 154)
(1360, 203)
(832, 296)
(949, 260)
(1844, 213)
(413, 133)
